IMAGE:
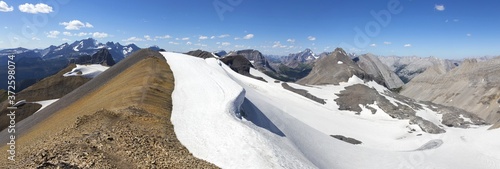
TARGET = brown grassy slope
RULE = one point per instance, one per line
(53, 87)
(124, 123)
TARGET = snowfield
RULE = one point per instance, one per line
(235, 121)
(45, 103)
(88, 71)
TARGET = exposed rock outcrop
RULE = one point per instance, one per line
(346, 139)
(200, 54)
(240, 65)
(304, 93)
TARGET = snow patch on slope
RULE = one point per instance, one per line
(88, 71)
(45, 103)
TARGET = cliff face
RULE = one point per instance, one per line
(374, 67)
(473, 86)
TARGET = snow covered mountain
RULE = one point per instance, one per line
(235, 121)
(295, 59)
(88, 47)
(36, 64)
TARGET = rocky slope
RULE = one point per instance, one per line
(473, 86)
(333, 69)
(409, 67)
(374, 67)
(120, 119)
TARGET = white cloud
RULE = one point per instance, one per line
(311, 38)
(469, 34)
(239, 46)
(237, 38)
(53, 34)
(5, 8)
(213, 37)
(81, 34)
(75, 25)
(173, 43)
(163, 37)
(203, 37)
(189, 43)
(407, 45)
(147, 37)
(66, 39)
(185, 38)
(223, 36)
(67, 33)
(225, 43)
(133, 39)
(291, 40)
(35, 38)
(249, 36)
(99, 35)
(387, 43)
(278, 44)
(439, 7)
(373, 45)
(199, 44)
(34, 9)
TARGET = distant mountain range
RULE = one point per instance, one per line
(36, 64)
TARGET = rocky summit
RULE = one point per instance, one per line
(333, 69)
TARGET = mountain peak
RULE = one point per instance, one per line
(340, 50)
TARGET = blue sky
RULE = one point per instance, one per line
(441, 28)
